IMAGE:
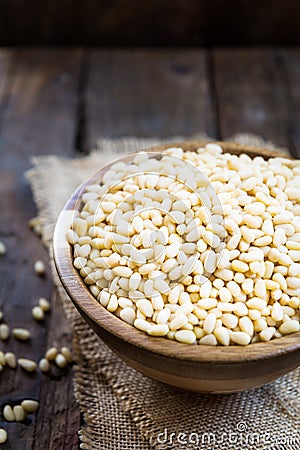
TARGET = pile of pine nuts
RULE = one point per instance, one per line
(199, 247)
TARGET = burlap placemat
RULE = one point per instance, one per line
(122, 409)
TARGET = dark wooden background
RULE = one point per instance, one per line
(60, 101)
(149, 22)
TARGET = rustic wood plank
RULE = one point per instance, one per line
(251, 94)
(7, 64)
(61, 427)
(155, 93)
(291, 68)
(40, 118)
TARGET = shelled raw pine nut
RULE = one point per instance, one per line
(27, 364)
(44, 365)
(19, 413)
(21, 334)
(10, 360)
(36, 225)
(44, 304)
(4, 332)
(8, 413)
(51, 353)
(2, 358)
(39, 267)
(2, 249)
(3, 436)
(60, 360)
(67, 354)
(201, 247)
(38, 313)
(30, 406)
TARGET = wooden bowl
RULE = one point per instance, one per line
(190, 367)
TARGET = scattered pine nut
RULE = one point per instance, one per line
(19, 413)
(289, 327)
(51, 353)
(2, 249)
(44, 365)
(38, 313)
(67, 354)
(27, 364)
(39, 267)
(44, 304)
(4, 332)
(2, 358)
(8, 413)
(36, 225)
(60, 360)
(30, 406)
(21, 334)
(10, 360)
(3, 435)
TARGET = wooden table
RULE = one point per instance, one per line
(59, 101)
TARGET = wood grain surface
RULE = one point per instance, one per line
(39, 117)
(60, 101)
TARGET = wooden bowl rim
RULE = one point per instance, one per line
(101, 317)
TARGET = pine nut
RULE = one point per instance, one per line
(128, 315)
(158, 330)
(44, 304)
(142, 325)
(10, 360)
(2, 248)
(185, 336)
(60, 360)
(289, 327)
(267, 334)
(246, 325)
(21, 334)
(27, 364)
(39, 267)
(30, 406)
(222, 336)
(8, 413)
(178, 322)
(51, 353)
(230, 320)
(4, 332)
(44, 365)
(3, 436)
(145, 306)
(209, 339)
(209, 323)
(240, 338)
(19, 413)
(2, 358)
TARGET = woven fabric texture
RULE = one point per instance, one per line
(123, 410)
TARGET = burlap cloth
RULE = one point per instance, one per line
(122, 409)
